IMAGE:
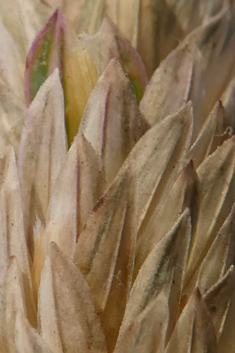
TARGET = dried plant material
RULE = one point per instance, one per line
(223, 248)
(91, 15)
(12, 115)
(159, 273)
(169, 87)
(218, 300)
(70, 311)
(11, 301)
(42, 150)
(78, 187)
(117, 195)
(183, 194)
(11, 63)
(216, 175)
(126, 16)
(112, 131)
(207, 88)
(23, 20)
(214, 132)
(105, 253)
(155, 159)
(13, 239)
(27, 338)
(228, 99)
(194, 331)
(147, 333)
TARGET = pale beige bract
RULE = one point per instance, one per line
(125, 242)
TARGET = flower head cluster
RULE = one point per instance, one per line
(117, 176)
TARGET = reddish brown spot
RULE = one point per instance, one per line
(98, 204)
(130, 328)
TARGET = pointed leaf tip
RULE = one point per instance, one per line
(44, 55)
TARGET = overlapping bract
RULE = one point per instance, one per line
(117, 209)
